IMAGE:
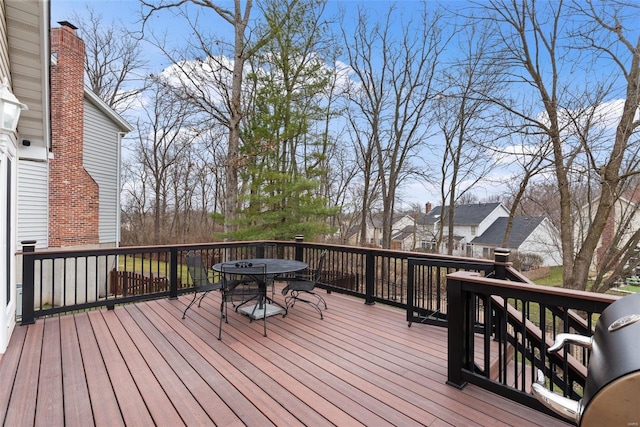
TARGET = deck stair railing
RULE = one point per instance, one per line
(500, 330)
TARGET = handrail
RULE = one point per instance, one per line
(516, 323)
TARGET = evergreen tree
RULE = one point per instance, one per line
(284, 154)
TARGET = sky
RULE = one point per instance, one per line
(127, 13)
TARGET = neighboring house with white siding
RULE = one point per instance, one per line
(529, 236)
(622, 224)
(479, 229)
(402, 232)
(469, 221)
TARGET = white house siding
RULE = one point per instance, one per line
(28, 28)
(4, 49)
(499, 212)
(544, 241)
(627, 215)
(101, 161)
(33, 197)
(467, 232)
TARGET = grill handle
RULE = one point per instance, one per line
(568, 408)
(562, 339)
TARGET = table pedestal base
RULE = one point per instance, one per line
(259, 312)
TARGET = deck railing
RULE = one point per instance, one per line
(59, 281)
(517, 323)
(472, 297)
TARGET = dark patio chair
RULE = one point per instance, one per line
(302, 289)
(200, 278)
(245, 282)
(242, 289)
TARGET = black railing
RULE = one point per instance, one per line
(55, 282)
(483, 302)
(427, 287)
(62, 281)
(514, 324)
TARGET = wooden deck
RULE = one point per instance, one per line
(141, 365)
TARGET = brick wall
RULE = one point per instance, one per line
(73, 194)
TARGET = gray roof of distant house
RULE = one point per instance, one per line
(522, 228)
(404, 233)
(463, 214)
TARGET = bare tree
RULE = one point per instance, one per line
(364, 162)
(466, 122)
(228, 112)
(532, 158)
(545, 44)
(114, 63)
(164, 135)
(395, 85)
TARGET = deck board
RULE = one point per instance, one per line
(141, 364)
(77, 404)
(104, 404)
(22, 403)
(50, 408)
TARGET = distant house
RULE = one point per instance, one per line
(480, 228)
(622, 223)
(469, 221)
(529, 235)
(405, 239)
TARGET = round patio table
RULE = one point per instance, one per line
(247, 267)
(261, 270)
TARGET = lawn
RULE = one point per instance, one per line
(554, 278)
(630, 288)
(157, 268)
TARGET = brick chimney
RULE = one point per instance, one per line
(427, 208)
(73, 194)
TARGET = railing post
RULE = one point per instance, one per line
(370, 272)
(28, 276)
(173, 280)
(501, 262)
(299, 248)
(458, 333)
(410, 290)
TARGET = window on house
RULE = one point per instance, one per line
(486, 253)
(474, 229)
